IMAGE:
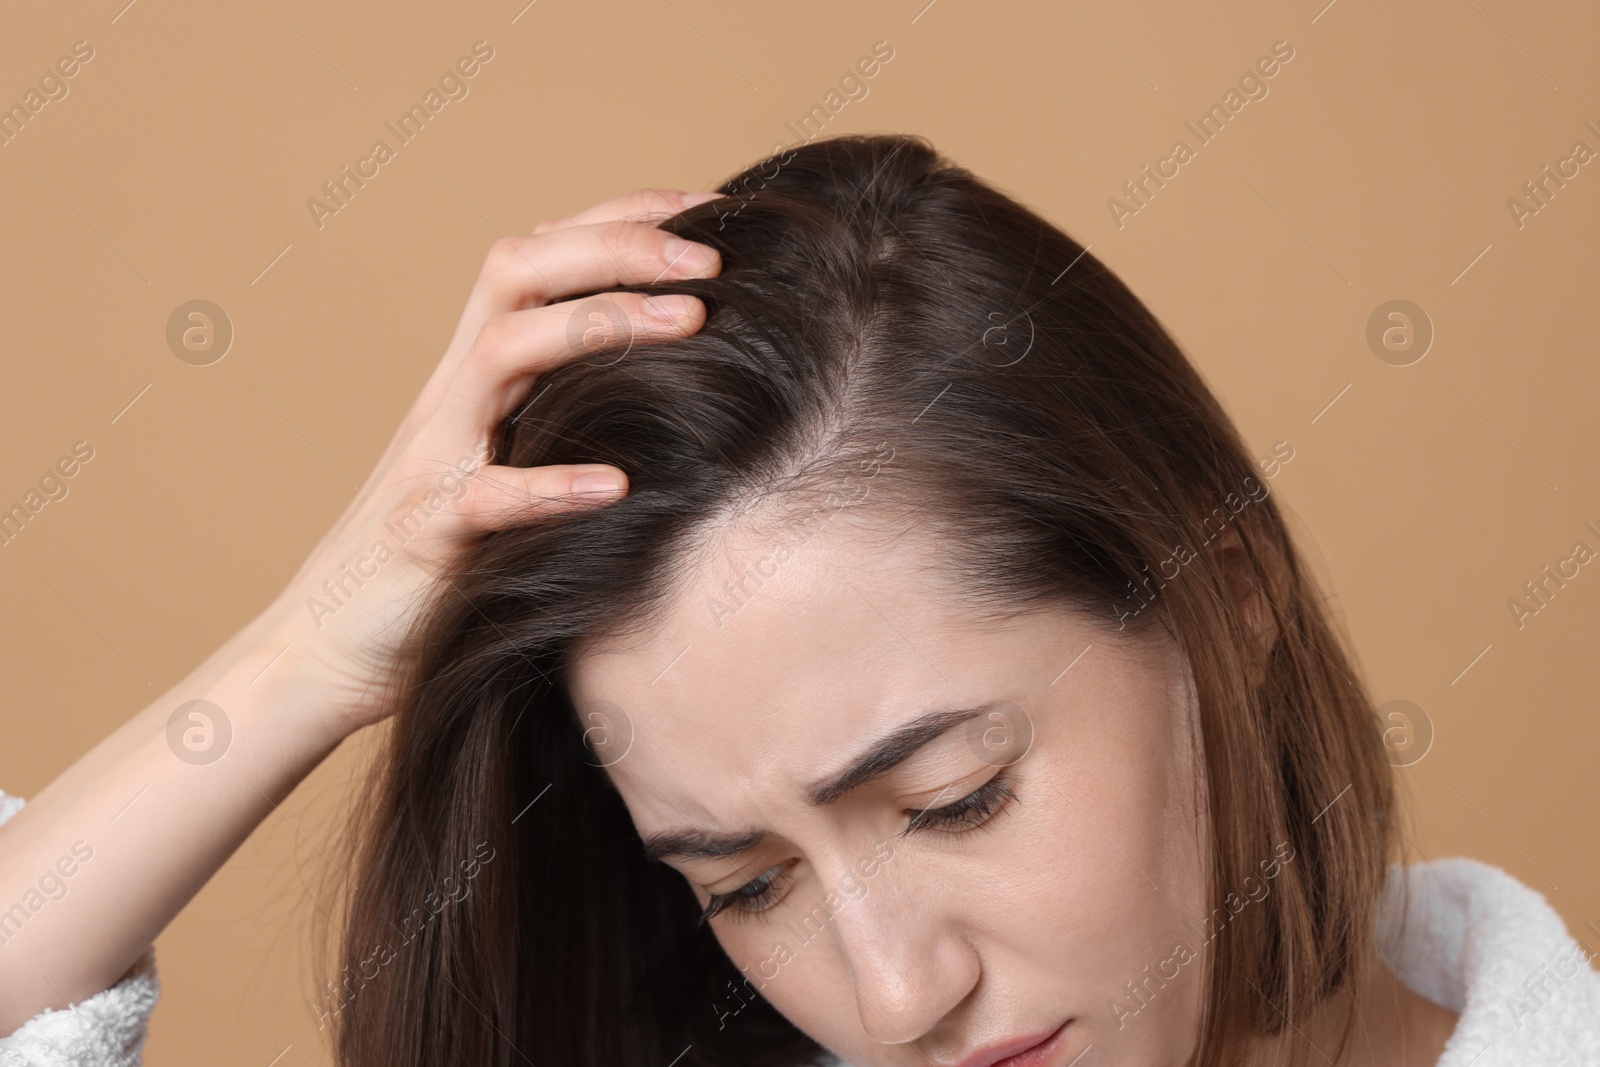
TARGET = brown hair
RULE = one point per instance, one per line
(1061, 448)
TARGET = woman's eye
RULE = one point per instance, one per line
(755, 896)
(969, 813)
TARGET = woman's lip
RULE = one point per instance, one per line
(1039, 1054)
(1014, 1055)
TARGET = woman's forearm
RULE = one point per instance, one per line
(103, 858)
(99, 861)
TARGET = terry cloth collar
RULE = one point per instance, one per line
(1494, 951)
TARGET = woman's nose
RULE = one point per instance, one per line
(909, 962)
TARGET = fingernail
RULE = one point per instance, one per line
(671, 308)
(598, 483)
(689, 257)
(691, 199)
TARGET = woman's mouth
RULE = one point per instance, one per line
(1035, 1051)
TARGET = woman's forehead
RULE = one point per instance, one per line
(814, 662)
(762, 612)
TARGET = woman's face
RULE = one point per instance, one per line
(929, 837)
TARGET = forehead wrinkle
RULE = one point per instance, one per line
(880, 758)
(708, 549)
(889, 752)
(697, 843)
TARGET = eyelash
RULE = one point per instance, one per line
(972, 812)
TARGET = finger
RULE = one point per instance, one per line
(642, 205)
(498, 497)
(514, 345)
(520, 271)
(593, 258)
(523, 271)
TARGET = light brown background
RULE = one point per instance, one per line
(1378, 167)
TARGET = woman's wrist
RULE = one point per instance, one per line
(264, 669)
(257, 689)
(274, 662)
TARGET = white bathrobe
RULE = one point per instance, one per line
(1479, 942)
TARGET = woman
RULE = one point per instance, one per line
(867, 640)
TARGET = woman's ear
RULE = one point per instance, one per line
(1252, 585)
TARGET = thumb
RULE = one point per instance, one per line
(498, 497)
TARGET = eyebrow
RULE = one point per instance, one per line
(881, 757)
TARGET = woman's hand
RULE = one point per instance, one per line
(159, 816)
(342, 616)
